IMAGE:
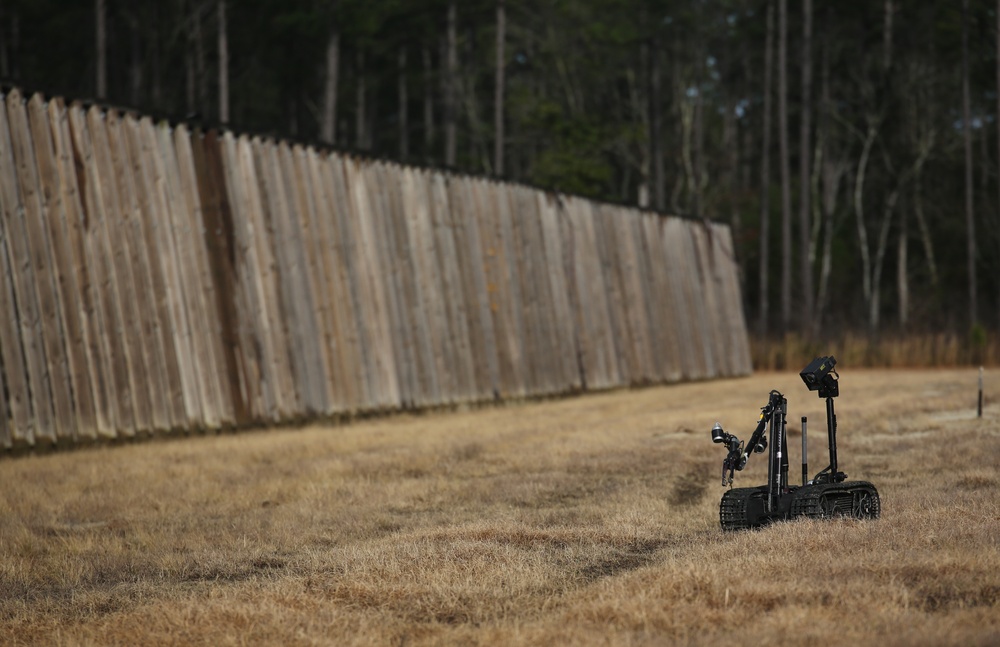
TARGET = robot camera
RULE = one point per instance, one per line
(821, 376)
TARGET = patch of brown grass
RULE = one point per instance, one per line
(581, 521)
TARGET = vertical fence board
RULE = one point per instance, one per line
(97, 377)
(147, 336)
(255, 338)
(297, 175)
(667, 341)
(220, 247)
(201, 287)
(468, 249)
(18, 340)
(480, 219)
(264, 241)
(384, 185)
(677, 240)
(188, 239)
(39, 255)
(148, 225)
(164, 247)
(290, 279)
(421, 301)
(340, 201)
(64, 269)
(108, 326)
(342, 340)
(123, 285)
(555, 239)
(461, 278)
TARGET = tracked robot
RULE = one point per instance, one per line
(828, 494)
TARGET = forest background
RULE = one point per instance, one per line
(853, 147)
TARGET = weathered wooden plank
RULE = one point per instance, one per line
(564, 327)
(423, 306)
(513, 362)
(608, 250)
(457, 349)
(255, 338)
(298, 177)
(468, 247)
(298, 223)
(339, 199)
(531, 271)
(578, 317)
(712, 307)
(384, 183)
(165, 201)
(185, 219)
(342, 336)
(114, 224)
(268, 267)
(667, 341)
(109, 327)
(201, 289)
(677, 242)
(64, 270)
(463, 297)
(147, 226)
(479, 222)
(220, 245)
(596, 268)
(626, 223)
(146, 345)
(97, 377)
(13, 347)
(738, 343)
(373, 298)
(452, 327)
(291, 280)
(66, 293)
(39, 255)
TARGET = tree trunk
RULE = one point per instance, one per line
(404, 100)
(361, 92)
(998, 99)
(805, 201)
(786, 184)
(157, 78)
(902, 273)
(765, 177)
(656, 124)
(223, 64)
(135, 68)
(199, 56)
(498, 92)
(450, 131)
(102, 49)
(831, 175)
(970, 223)
(328, 125)
(4, 54)
(428, 102)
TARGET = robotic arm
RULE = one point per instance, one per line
(736, 460)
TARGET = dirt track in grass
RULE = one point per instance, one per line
(591, 520)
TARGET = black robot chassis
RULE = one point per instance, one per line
(829, 494)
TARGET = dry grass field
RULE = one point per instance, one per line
(590, 520)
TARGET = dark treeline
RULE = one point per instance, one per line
(852, 146)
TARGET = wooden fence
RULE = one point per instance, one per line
(157, 279)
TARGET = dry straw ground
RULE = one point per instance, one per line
(583, 521)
